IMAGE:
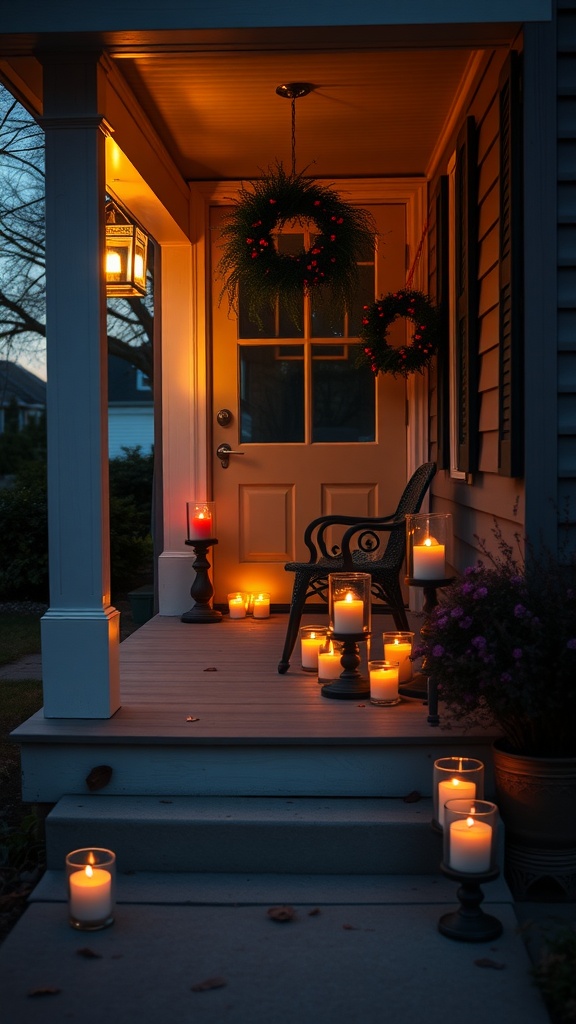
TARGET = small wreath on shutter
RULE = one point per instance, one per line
(251, 261)
(402, 360)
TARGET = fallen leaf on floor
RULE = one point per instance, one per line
(166, 801)
(413, 797)
(211, 669)
(99, 777)
(486, 961)
(88, 953)
(47, 990)
(315, 912)
(360, 705)
(350, 928)
(191, 718)
(281, 913)
(205, 986)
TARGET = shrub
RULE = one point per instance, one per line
(23, 543)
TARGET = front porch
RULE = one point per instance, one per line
(205, 713)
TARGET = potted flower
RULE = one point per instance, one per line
(501, 647)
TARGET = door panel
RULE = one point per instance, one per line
(313, 438)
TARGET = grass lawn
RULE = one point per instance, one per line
(19, 635)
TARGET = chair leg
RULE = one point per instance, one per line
(296, 608)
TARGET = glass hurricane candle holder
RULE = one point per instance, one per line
(311, 639)
(349, 603)
(200, 520)
(261, 606)
(455, 777)
(428, 546)
(238, 604)
(471, 836)
(384, 683)
(91, 882)
(398, 647)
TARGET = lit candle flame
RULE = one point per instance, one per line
(349, 597)
(470, 822)
(89, 871)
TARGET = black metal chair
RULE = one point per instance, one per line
(371, 553)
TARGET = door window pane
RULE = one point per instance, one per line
(271, 394)
(343, 396)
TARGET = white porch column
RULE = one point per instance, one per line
(80, 631)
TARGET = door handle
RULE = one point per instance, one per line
(224, 451)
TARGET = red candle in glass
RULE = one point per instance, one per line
(201, 526)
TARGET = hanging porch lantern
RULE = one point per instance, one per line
(126, 254)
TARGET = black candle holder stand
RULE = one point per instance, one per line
(422, 685)
(201, 590)
(351, 684)
(469, 923)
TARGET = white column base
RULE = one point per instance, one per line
(81, 663)
(175, 578)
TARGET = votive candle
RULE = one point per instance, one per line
(261, 606)
(451, 789)
(470, 845)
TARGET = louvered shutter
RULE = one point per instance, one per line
(442, 300)
(466, 274)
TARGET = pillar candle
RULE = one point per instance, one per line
(261, 606)
(201, 526)
(309, 650)
(329, 663)
(400, 651)
(450, 789)
(428, 560)
(237, 606)
(470, 845)
(384, 683)
(348, 615)
(91, 894)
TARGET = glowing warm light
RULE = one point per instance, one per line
(113, 262)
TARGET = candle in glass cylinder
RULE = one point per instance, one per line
(261, 607)
(398, 647)
(470, 845)
(237, 606)
(429, 560)
(329, 662)
(311, 639)
(383, 682)
(90, 894)
(450, 789)
(348, 615)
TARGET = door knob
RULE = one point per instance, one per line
(224, 451)
(224, 417)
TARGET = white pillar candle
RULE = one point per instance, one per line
(470, 845)
(309, 650)
(348, 615)
(449, 790)
(329, 663)
(90, 894)
(237, 606)
(261, 606)
(384, 683)
(429, 560)
(400, 651)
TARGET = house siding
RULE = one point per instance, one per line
(566, 110)
(485, 494)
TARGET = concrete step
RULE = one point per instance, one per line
(328, 836)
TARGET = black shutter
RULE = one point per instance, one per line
(466, 268)
(510, 411)
(442, 300)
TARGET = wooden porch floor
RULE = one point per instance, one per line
(224, 676)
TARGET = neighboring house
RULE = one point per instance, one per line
(130, 409)
(454, 124)
(22, 395)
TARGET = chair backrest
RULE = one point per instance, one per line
(410, 502)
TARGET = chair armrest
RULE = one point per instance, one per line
(322, 523)
(368, 527)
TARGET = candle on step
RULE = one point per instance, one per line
(349, 615)
(450, 789)
(383, 682)
(398, 647)
(470, 845)
(91, 894)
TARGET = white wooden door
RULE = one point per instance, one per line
(316, 434)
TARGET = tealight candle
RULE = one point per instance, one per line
(348, 615)
(470, 845)
(429, 560)
(261, 606)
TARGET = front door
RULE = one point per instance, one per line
(309, 432)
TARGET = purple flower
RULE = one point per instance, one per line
(516, 581)
(466, 622)
(571, 645)
(442, 622)
(467, 587)
(520, 611)
(517, 653)
(479, 642)
(437, 651)
(505, 677)
(480, 592)
(457, 612)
